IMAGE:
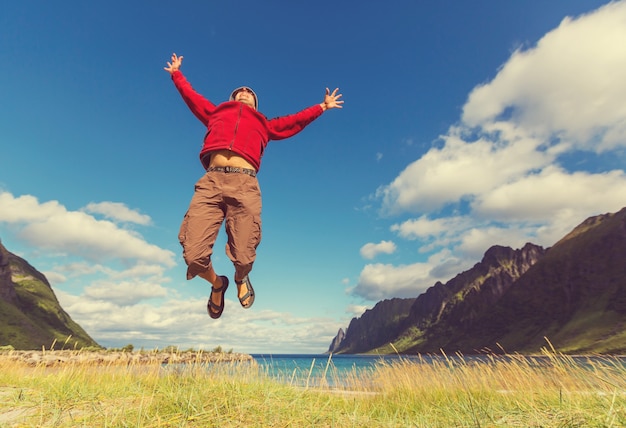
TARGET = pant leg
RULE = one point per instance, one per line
(243, 221)
(201, 224)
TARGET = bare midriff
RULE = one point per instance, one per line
(220, 158)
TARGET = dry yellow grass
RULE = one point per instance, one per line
(510, 391)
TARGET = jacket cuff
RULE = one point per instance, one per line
(176, 75)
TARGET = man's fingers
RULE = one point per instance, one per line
(176, 58)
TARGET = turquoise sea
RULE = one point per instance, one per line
(319, 369)
(333, 370)
(294, 368)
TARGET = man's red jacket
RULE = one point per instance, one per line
(235, 126)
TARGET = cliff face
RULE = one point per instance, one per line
(7, 288)
(472, 294)
(375, 326)
(420, 324)
(30, 314)
(469, 293)
(574, 294)
(336, 343)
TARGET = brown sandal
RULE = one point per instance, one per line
(215, 311)
(249, 296)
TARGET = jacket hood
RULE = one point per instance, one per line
(256, 99)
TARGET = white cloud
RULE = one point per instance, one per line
(423, 227)
(370, 250)
(384, 281)
(80, 268)
(539, 197)
(381, 281)
(118, 212)
(124, 293)
(75, 269)
(473, 243)
(55, 277)
(140, 269)
(571, 84)
(185, 323)
(566, 93)
(468, 236)
(461, 170)
(356, 310)
(504, 174)
(26, 209)
(51, 226)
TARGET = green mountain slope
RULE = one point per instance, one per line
(30, 314)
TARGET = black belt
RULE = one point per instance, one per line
(250, 172)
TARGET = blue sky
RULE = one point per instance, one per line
(465, 125)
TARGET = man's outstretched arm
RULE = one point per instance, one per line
(287, 126)
(199, 106)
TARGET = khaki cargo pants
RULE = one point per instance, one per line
(230, 197)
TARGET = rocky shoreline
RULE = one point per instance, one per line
(63, 357)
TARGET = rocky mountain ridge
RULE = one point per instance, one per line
(573, 294)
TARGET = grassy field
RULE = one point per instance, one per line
(504, 392)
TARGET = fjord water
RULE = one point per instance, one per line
(333, 370)
(323, 369)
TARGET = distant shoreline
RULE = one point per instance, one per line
(61, 357)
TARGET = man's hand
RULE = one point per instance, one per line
(177, 61)
(331, 100)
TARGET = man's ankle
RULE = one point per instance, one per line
(219, 282)
(211, 277)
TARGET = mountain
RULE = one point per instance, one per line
(573, 294)
(374, 327)
(336, 343)
(30, 314)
